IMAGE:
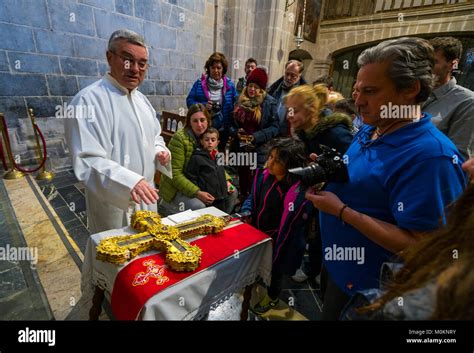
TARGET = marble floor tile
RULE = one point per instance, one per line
(58, 273)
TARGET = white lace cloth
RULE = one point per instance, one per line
(193, 297)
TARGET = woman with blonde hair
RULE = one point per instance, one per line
(322, 92)
(304, 104)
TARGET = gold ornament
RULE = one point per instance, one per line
(180, 255)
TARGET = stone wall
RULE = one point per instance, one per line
(51, 49)
(260, 29)
(338, 35)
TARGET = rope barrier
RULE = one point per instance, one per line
(35, 126)
(4, 161)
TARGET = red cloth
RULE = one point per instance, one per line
(128, 298)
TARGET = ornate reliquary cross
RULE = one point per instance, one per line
(180, 255)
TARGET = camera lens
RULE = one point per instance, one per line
(329, 167)
(311, 175)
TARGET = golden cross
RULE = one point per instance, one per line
(180, 255)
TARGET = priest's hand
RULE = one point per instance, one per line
(144, 192)
(163, 157)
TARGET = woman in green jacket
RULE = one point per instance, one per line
(178, 194)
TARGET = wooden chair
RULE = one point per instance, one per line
(171, 123)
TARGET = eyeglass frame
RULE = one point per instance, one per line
(132, 62)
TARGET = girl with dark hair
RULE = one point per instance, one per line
(277, 207)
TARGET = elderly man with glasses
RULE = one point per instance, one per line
(116, 145)
(292, 77)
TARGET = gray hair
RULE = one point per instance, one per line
(411, 59)
(128, 35)
(297, 62)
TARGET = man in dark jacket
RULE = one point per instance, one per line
(280, 88)
(250, 65)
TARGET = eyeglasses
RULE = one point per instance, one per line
(129, 62)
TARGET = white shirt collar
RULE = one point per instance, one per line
(117, 85)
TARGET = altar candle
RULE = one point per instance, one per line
(299, 31)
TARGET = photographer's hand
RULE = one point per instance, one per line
(209, 105)
(387, 235)
(325, 201)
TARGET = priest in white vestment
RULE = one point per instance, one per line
(114, 138)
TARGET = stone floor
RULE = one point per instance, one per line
(50, 216)
(21, 293)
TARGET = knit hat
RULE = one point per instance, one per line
(259, 77)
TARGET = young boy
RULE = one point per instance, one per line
(204, 171)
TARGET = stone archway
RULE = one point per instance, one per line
(338, 36)
(303, 56)
(299, 54)
(343, 62)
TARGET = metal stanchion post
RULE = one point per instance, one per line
(43, 174)
(12, 173)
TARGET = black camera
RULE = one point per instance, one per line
(216, 108)
(329, 167)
